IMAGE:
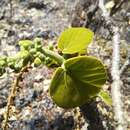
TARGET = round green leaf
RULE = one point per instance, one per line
(37, 62)
(79, 80)
(74, 40)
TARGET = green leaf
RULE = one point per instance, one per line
(74, 40)
(11, 62)
(3, 61)
(51, 46)
(42, 57)
(38, 44)
(18, 65)
(33, 51)
(25, 44)
(79, 80)
(38, 53)
(38, 41)
(3, 58)
(37, 62)
(23, 54)
(105, 97)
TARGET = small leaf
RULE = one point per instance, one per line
(79, 80)
(48, 61)
(18, 65)
(37, 62)
(33, 51)
(23, 54)
(38, 53)
(51, 47)
(37, 44)
(38, 41)
(3, 58)
(42, 57)
(25, 44)
(2, 63)
(38, 47)
(11, 62)
(105, 97)
(74, 40)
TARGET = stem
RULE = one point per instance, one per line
(53, 55)
(12, 95)
(116, 85)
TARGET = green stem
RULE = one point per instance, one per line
(53, 55)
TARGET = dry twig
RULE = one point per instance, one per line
(11, 96)
(117, 6)
(125, 66)
(116, 85)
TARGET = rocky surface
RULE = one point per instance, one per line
(33, 108)
(25, 19)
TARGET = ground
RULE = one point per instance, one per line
(33, 108)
